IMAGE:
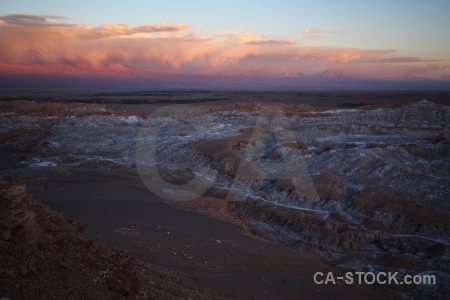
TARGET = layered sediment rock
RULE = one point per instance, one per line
(381, 172)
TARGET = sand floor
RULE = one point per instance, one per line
(212, 254)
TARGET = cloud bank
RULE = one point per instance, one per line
(35, 43)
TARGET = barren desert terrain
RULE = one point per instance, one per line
(373, 194)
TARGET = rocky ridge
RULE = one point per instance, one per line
(43, 255)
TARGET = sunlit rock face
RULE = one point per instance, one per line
(381, 174)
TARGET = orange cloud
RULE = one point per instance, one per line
(314, 31)
(240, 36)
(117, 29)
(41, 42)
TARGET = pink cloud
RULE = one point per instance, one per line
(272, 42)
(35, 42)
(240, 36)
(308, 31)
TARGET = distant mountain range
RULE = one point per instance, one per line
(339, 75)
(119, 76)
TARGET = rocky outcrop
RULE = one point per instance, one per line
(402, 213)
(45, 256)
(330, 186)
(20, 227)
(306, 230)
(226, 151)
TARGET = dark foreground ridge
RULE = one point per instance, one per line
(43, 255)
(46, 256)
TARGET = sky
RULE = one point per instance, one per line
(285, 43)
